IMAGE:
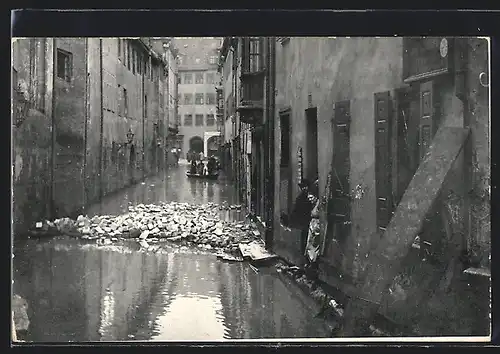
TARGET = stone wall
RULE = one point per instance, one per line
(429, 297)
(77, 164)
(333, 70)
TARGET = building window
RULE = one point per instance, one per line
(210, 99)
(119, 49)
(64, 64)
(210, 78)
(123, 102)
(179, 79)
(125, 51)
(188, 78)
(188, 119)
(134, 60)
(252, 54)
(199, 120)
(285, 141)
(199, 78)
(129, 54)
(188, 98)
(212, 59)
(210, 120)
(199, 98)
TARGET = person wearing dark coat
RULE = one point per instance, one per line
(301, 214)
(192, 169)
(211, 165)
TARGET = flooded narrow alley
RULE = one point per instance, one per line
(80, 291)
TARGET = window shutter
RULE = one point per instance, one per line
(426, 129)
(340, 175)
(383, 186)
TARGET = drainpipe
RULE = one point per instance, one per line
(144, 122)
(53, 130)
(101, 172)
(86, 102)
(270, 141)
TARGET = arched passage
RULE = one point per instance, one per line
(212, 145)
(196, 144)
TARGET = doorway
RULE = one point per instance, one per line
(311, 144)
(196, 144)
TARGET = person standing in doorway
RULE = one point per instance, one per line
(313, 238)
(301, 215)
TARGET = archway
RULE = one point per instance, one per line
(196, 144)
(212, 145)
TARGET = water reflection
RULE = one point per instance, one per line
(170, 185)
(88, 293)
(84, 293)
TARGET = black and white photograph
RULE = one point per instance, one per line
(250, 188)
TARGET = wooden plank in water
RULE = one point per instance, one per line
(259, 253)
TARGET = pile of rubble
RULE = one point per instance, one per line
(177, 222)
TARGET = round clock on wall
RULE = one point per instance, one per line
(443, 47)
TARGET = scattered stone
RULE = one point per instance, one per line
(144, 235)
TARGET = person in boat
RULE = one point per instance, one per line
(199, 167)
(205, 170)
(211, 165)
(192, 169)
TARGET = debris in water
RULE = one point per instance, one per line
(188, 224)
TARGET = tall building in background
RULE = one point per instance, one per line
(198, 78)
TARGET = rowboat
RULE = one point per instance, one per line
(196, 175)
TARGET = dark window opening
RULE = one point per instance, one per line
(188, 98)
(199, 78)
(199, 99)
(285, 141)
(188, 119)
(125, 102)
(211, 99)
(64, 64)
(199, 120)
(210, 78)
(312, 144)
(210, 120)
(252, 54)
(129, 54)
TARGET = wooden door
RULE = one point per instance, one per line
(286, 187)
(426, 126)
(311, 144)
(383, 180)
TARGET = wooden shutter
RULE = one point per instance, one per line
(383, 186)
(341, 168)
(426, 129)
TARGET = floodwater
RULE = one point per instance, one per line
(81, 292)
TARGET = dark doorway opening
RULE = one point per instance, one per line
(196, 144)
(311, 144)
(286, 186)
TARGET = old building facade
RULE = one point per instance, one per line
(396, 130)
(198, 78)
(89, 117)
